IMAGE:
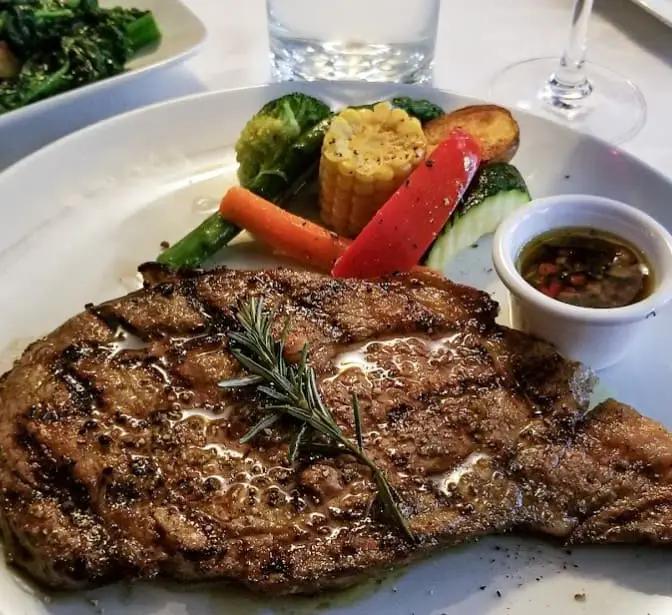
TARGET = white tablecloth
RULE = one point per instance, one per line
(476, 39)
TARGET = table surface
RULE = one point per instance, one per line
(477, 38)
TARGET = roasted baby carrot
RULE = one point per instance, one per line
(281, 231)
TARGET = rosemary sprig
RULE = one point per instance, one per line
(292, 391)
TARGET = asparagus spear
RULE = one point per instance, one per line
(214, 232)
(200, 244)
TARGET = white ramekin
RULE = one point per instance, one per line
(596, 337)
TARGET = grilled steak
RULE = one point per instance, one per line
(120, 455)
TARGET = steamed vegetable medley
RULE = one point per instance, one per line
(50, 46)
(401, 183)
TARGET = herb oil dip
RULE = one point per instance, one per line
(586, 267)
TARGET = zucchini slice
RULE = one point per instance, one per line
(497, 190)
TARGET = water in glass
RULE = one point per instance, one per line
(372, 40)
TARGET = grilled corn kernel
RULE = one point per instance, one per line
(367, 154)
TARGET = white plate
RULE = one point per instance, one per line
(78, 216)
(182, 35)
(662, 9)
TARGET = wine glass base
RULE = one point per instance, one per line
(608, 106)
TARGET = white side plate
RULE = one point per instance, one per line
(182, 31)
(77, 217)
(662, 9)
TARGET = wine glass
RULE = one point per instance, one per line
(585, 96)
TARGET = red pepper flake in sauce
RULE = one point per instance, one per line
(587, 268)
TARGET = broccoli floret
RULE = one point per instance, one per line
(268, 136)
(424, 110)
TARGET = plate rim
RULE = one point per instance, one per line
(649, 8)
(187, 99)
(127, 76)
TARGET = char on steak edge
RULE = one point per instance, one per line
(120, 455)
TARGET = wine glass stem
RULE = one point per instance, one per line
(568, 86)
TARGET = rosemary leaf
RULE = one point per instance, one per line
(307, 417)
(241, 339)
(303, 363)
(264, 423)
(243, 342)
(295, 443)
(315, 393)
(239, 383)
(387, 499)
(272, 393)
(326, 449)
(297, 413)
(358, 423)
(285, 330)
(252, 366)
(263, 371)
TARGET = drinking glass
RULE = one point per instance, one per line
(583, 95)
(370, 40)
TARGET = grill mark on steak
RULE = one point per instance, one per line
(113, 472)
(84, 395)
(154, 274)
(56, 477)
(216, 318)
(113, 322)
(306, 305)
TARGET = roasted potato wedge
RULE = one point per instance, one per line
(494, 127)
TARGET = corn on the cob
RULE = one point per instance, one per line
(367, 154)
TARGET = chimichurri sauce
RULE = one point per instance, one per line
(586, 267)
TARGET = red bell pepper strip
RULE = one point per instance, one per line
(401, 231)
